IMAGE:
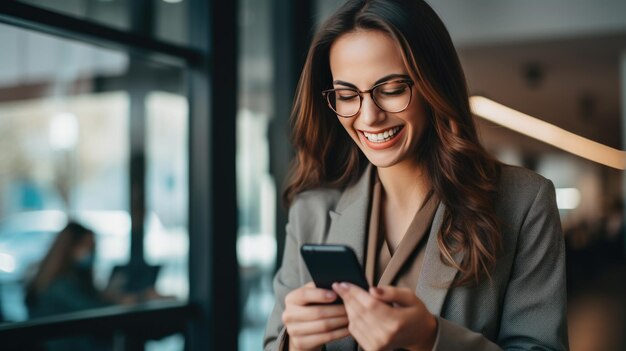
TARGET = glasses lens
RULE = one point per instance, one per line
(393, 96)
(345, 102)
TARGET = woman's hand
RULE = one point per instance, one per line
(311, 326)
(387, 318)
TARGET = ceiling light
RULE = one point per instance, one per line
(567, 198)
(547, 133)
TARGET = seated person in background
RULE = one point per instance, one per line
(63, 283)
(64, 280)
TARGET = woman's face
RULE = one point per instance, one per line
(362, 59)
(85, 248)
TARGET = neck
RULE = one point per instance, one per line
(405, 185)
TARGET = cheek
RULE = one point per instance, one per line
(418, 118)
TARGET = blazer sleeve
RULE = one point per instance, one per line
(534, 308)
(285, 280)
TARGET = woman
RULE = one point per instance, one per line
(64, 281)
(462, 253)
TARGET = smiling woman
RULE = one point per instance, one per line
(364, 57)
(461, 252)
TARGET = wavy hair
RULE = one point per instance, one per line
(463, 175)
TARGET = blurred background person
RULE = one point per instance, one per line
(64, 283)
(64, 280)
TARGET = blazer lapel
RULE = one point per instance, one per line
(418, 228)
(349, 219)
(435, 277)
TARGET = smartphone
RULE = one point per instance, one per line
(328, 264)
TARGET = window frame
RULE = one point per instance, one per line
(212, 311)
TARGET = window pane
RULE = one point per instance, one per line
(68, 113)
(169, 17)
(166, 241)
(64, 155)
(256, 188)
(114, 13)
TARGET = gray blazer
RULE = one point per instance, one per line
(523, 307)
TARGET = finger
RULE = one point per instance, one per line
(308, 295)
(370, 318)
(358, 307)
(312, 341)
(297, 313)
(401, 296)
(362, 333)
(357, 295)
(363, 311)
(317, 327)
(347, 290)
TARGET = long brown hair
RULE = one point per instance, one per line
(464, 176)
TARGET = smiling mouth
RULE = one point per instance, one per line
(383, 136)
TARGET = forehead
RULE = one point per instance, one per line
(364, 56)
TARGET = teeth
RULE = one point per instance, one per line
(382, 137)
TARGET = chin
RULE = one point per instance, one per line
(382, 162)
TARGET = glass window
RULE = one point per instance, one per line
(67, 111)
(166, 242)
(256, 188)
(168, 21)
(114, 13)
(170, 18)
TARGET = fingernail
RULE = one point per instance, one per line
(338, 287)
(344, 286)
(330, 295)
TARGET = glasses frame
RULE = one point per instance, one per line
(410, 83)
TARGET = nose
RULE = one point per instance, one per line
(370, 113)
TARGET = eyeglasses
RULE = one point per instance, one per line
(392, 96)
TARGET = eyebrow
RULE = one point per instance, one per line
(383, 79)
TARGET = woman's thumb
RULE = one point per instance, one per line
(393, 295)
